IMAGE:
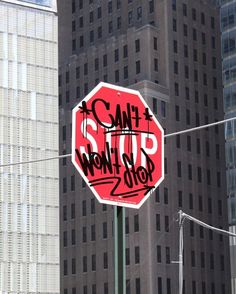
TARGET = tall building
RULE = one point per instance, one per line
(170, 52)
(228, 27)
(29, 221)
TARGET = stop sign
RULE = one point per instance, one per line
(117, 145)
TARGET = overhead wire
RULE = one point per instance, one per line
(165, 136)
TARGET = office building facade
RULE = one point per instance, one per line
(170, 52)
(29, 222)
(228, 28)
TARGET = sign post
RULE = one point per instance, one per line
(118, 148)
(119, 248)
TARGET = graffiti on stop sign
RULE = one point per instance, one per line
(115, 146)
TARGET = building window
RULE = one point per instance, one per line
(136, 255)
(155, 43)
(127, 256)
(166, 223)
(158, 222)
(110, 27)
(190, 174)
(137, 286)
(91, 36)
(92, 206)
(93, 232)
(137, 45)
(81, 22)
(105, 288)
(179, 169)
(104, 230)
(94, 289)
(202, 18)
(109, 7)
(218, 179)
(175, 46)
(73, 266)
(65, 213)
(159, 285)
(177, 115)
(64, 185)
(84, 234)
(167, 255)
(174, 25)
(180, 198)
(165, 195)
(185, 30)
(65, 268)
(200, 204)
(67, 96)
(128, 291)
(73, 237)
(73, 8)
(91, 16)
(126, 72)
(211, 261)
(81, 3)
(154, 105)
(93, 261)
(127, 225)
(157, 195)
(138, 67)
(99, 12)
(65, 239)
(116, 55)
(84, 264)
(84, 210)
(163, 109)
(186, 72)
(155, 64)
(99, 32)
(184, 9)
(158, 253)
(136, 223)
(209, 205)
(72, 210)
(185, 51)
(117, 77)
(130, 17)
(139, 13)
(118, 21)
(191, 225)
(85, 290)
(125, 51)
(176, 89)
(105, 260)
(81, 41)
(151, 6)
(193, 262)
(212, 22)
(176, 67)
(194, 35)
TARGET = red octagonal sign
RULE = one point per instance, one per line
(117, 145)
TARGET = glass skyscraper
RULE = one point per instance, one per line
(228, 28)
(29, 225)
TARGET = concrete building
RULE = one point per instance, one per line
(29, 221)
(228, 27)
(170, 52)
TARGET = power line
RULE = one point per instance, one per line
(37, 160)
(165, 136)
(200, 127)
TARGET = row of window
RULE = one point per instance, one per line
(195, 34)
(84, 264)
(104, 61)
(110, 7)
(195, 54)
(198, 146)
(85, 289)
(185, 11)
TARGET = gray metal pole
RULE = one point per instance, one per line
(119, 246)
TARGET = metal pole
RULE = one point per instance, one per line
(181, 220)
(119, 246)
